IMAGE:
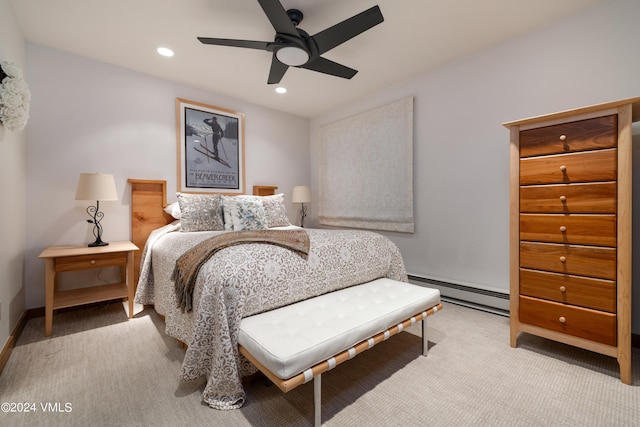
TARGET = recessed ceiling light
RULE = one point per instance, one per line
(165, 51)
(281, 89)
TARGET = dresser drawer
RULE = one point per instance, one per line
(567, 168)
(580, 322)
(593, 197)
(84, 262)
(590, 134)
(597, 294)
(580, 229)
(590, 261)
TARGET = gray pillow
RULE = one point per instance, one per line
(200, 212)
(275, 210)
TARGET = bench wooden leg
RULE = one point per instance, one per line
(425, 338)
(317, 400)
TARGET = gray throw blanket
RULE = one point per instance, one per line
(189, 264)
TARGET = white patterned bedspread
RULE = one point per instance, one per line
(248, 279)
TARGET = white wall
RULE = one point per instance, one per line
(89, 116)
(461, 151)
(13, 175)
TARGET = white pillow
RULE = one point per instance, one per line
(244, 213)
(173, 209)
(274, 209)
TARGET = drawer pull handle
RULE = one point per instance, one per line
(563, 168)
(563, 259)
(563, 228)
(563, 289)
(562, 319)
(92, 262)
(563, 137)
(563, 198)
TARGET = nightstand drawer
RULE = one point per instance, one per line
(589, 261)
(598, 230)
(580, 322)
(84, 262)
(593, 197)
(587, 166)
(590, 134)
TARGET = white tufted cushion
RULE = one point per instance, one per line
(291, 339)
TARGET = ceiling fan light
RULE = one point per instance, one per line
(292, 56)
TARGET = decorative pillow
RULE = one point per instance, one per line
(173, 209)
(245, 213)
(227, 202)
(275, 210)
(200, 212)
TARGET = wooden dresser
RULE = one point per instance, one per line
(570, 228)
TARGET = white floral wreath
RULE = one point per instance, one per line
(14, 97)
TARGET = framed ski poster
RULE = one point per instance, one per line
(210, 148)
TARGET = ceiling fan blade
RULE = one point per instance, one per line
(347, 29)
(277, 71)
(278, 17)
(326, 66)
(235, 43)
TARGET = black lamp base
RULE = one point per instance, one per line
(96, 215)
(303, 214)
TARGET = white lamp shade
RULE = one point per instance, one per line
(96, 186)
(301, 194)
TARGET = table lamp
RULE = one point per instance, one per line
(96, 186)
(302, 195)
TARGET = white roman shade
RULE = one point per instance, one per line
(366, 170)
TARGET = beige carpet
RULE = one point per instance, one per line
(99, 369)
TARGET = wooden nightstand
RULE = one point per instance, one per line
(81, 257)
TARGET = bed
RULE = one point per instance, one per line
(240, 280)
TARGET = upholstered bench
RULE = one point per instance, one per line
(293, 344)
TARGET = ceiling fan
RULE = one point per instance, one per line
(293, 47)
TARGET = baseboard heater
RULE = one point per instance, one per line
(468, 296)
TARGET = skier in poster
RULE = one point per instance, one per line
(216, 134)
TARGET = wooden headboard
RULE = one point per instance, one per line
(148, 200)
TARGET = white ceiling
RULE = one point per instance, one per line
(416, 36)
